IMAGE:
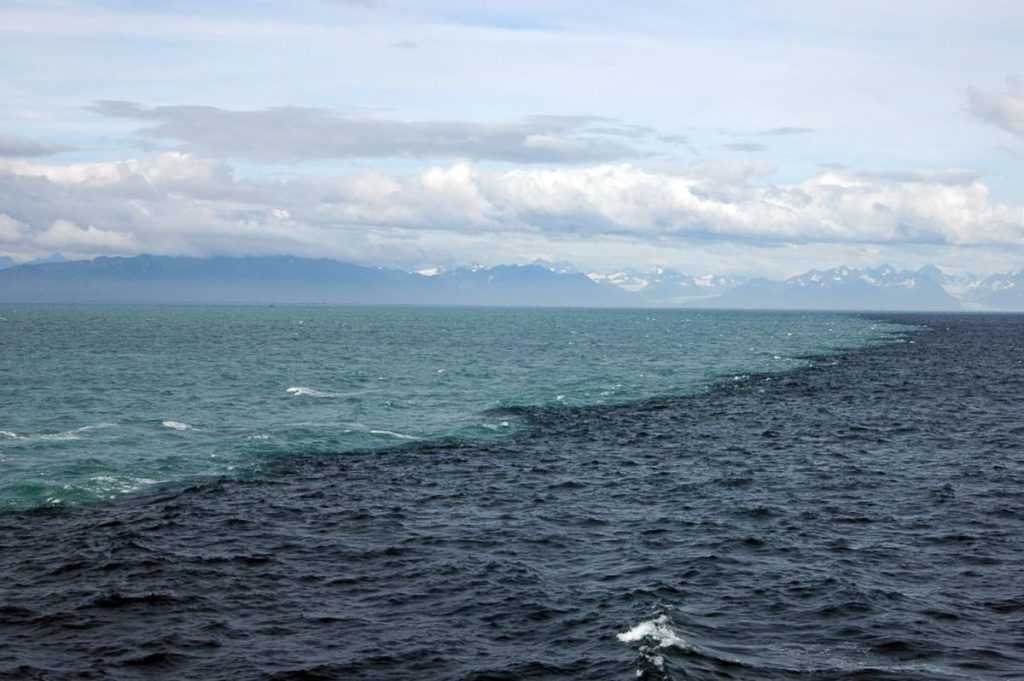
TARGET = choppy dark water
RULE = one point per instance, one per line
(862, 518)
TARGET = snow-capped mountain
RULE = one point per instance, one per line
(999, 291)
(883, 277)
(627, 280)
(666, 286)
(560, 267)
(846, 288)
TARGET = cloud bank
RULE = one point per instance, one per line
(177, 203)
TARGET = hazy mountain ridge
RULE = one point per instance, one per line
(7, 261)
(285, 279)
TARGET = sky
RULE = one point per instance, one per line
(754, 138)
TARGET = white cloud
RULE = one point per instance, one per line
(164, 169)
(181, 204)
(68, 237)
(11, 230)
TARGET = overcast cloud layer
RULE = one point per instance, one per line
(729, 139)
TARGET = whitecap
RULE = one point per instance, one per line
(177, 425)
(650, 637)
(107, 484)
(394, 434)
(74, 434)
(659, 631)
(55, 437)
(98, 426)
(309, 392)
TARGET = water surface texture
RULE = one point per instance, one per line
(857, 517)
(102, 401)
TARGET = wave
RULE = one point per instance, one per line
(391, 433)
(309, 392)
(177, 425)
(74, 434)
(657, 631)
(652, 636)
(656, 635)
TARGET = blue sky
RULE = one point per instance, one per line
(747, 137)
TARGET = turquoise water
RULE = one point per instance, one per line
(98, 401)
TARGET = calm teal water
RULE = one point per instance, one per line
(97, 402)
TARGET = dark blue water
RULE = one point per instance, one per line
(858, 518)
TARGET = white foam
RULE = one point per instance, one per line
(309, 392)
(98, 426)
(55, 437)
(659, 630)
(177, 425)
(394, 434)
(74, 434)
(107, 484)
(651, 636)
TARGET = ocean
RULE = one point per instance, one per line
(458, 493)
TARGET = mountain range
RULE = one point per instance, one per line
(285, 279)
(844, 288)
(668, 287)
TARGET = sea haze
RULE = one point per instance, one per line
(857, 515)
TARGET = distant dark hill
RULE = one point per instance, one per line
(160, 279)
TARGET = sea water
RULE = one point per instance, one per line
(471, 495)
(100, 401)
